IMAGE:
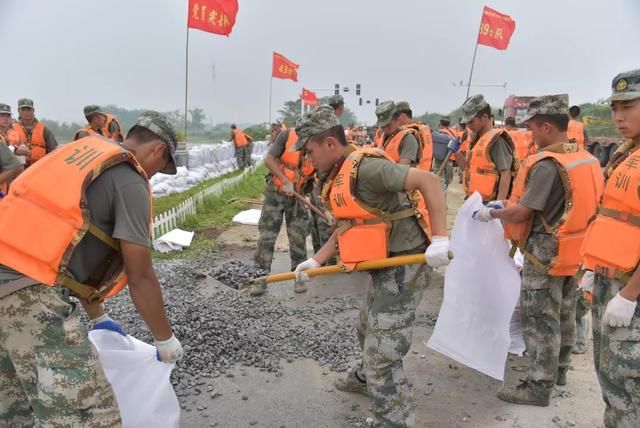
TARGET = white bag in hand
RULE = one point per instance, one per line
(140, 382)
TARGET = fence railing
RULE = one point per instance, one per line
(169, 220)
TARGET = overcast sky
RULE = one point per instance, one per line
(68, 53)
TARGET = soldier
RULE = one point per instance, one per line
(288, 173)
(77, 236)
(577, 130)
(401, 144)
(337, 104)
(241, 141)
(611, 255)
(96, 119)
(548, 230)
(386, 319)
(112, 128)
(37, 137)
(405, 118)
(10, 166)
(444, 127)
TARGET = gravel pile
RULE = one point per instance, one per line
(235, 273)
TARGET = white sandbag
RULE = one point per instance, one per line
(140, 382)
(175, 240)
(481, 289)
(250, 217)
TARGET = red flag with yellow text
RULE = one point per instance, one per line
(284, 68)
(213, 16)
(495, 29)
(309, 97)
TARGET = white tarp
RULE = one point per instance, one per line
(175, 240)
(481, 289)
(250, 217)
(140, 382)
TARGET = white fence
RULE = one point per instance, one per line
(167, 221)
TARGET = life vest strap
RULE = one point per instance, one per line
(619, 215)
(103, 236)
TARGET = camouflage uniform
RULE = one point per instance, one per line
(583, 307)
(49, 372)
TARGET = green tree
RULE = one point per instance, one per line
(197, 120)
(291, 112)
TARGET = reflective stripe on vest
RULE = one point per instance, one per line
(34, 140)
(583, 184)
(575, 131)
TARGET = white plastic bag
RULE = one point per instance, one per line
(481, 289)
(139, 381)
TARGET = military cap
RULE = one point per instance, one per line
(5, 109)
(385, 112)
(335, 100)
(25, 102)
(314, 123)
(472, 107)
(547, 104)
(90, 110)
(445, 118)
(625, 86)
(159, 125)
(402, 106)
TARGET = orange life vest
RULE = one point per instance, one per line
(575, 131)
(34, 140)
(391, 146)
(522, 142)
(583, 183)
(87, 129)
(241, 138)
(426, 145)
(11, 137)
(378, 139)
(481, 174)
(466, 141)
(611, 243)
(290, 164)
(44, 217)
(362, 231)
(118, 136)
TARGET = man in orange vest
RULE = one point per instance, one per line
(577, 131)
(398, 142)
(10, 166)
(87, 235)
(444, 127)
(96, 118)
(241, 141)
(112, 128)
(490, 164)
(405, 118)
(520, 139)
(37, 137)
(548, 231)
(611, 254)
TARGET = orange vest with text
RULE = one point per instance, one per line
(481, 174)
(118, 136)
(34, 140)
(290, 164)
(241, 138)
(575, 131)
(44, 217)
(583, 184)
(363, 231)
(611, 244)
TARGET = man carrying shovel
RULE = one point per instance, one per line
(367, 194)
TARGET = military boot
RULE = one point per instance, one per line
(353, 382)
(525, 393)
(300, 287)
(258, 288)
(562, 376)
(582, 327)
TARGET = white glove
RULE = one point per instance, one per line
(619, 312)
(437, 253)
(101, 318)
(483, 215)
(518, 259)
(287, 188)
(496, 204)
(310, 263)
(587, 281)
(169, 351)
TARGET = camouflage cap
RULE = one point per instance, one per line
(402, 106)
(159, 125)
(335, 100)
(472, 107)
(445, 118)
(92, 109)
(385, 112)
(5, 109)
(314, 123)
(25, 102)
(625, 86)
(547, 104)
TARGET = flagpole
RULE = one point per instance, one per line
(186, 88)
(473, 63)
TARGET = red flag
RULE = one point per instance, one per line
(495, 29)
(309, 97)
(213, 16)
(283, 68)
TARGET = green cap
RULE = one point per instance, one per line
(25, 102)
(625, 86)
(314, 123)
(90, 110)
(159, 125)
(335, 100)
(5, 109)
(472, 107)
(547, 104)
(385, 112)
(445, 118)
(403, 106)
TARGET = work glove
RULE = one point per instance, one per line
(168, 351)
(454, 145)
(287, 188)
(484, 213)
(518, 259)
(587, 281)
(437, 253)
(619, 312)
(104, 322)
(310, 263)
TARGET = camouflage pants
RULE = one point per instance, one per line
(447, 175)
(50, 375)
(583, 307)
(275, 207)
(320, 230)
(385, 331)
(243, 156)
(616, 355)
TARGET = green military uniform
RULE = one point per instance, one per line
(49, 139)
(386, 320)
